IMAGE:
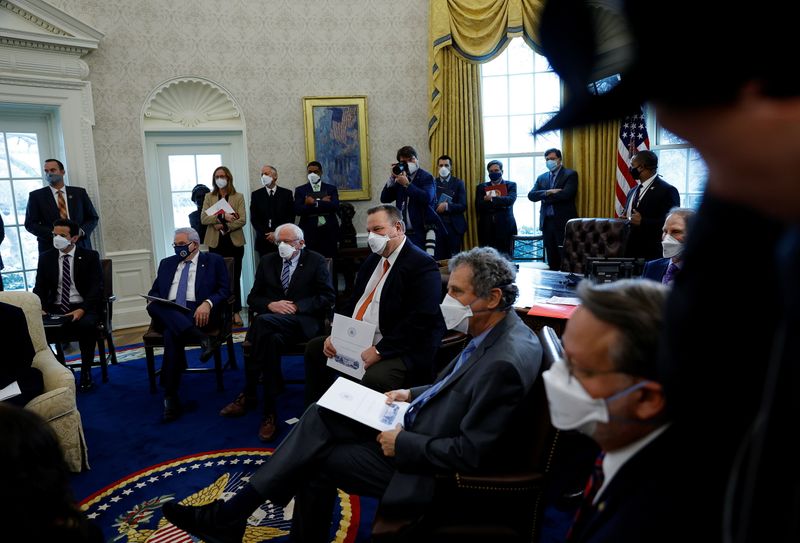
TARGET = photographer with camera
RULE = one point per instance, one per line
(413, 191)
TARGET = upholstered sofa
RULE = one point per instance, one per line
(57, 404)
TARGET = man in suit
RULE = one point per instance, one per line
(292, 295)
(200, 283)
(413, 192)
(69, 281)
(270, 206)
(18, 353)
(647, 206)
(606, 387)
(2, 237)
(472, 419)
(556, 189)
(664, 270)
(398, 289)
(495, 207)
(317, 204)
(451, 198)
(57, 201)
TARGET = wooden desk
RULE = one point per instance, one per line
(537, 285)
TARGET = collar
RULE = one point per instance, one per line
(295, 258)
(194, 258)
(71, 252)
(614, 460)
(647, 182)
(393, 257)
(55, 191)
(555, 172)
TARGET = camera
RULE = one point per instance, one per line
(399, 168)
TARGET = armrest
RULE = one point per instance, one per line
(517, 481)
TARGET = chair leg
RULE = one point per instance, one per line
(101, 351)
(231, 364)
(60, 353)
(112, 349)
(151, 367)
(218, 368)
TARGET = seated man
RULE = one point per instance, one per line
(199, 282)
(18, 356)
(664, 270)
(398, 289)
(605, 387)
(292, 295)
(69, 281)
(472, 418)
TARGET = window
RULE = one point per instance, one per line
(520, 92)
(186, 171)
(678, 162)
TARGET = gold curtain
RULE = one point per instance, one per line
(592, 152)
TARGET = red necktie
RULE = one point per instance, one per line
(363, 308)
(593, 485)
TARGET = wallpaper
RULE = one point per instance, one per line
(268, 54)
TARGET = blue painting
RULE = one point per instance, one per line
(337, 145)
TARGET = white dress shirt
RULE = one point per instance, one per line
(173, 290)
(646, 184)
(293, 265)
(74, 295)
(373, 309)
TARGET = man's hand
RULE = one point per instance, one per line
(441, 208)
(76, 315)
(370, 356)
(310, 201)
(326, 198)
(387, 440)
(402, 179)
(270, 237)
(283, 307)
(328, 349)
(636, 218)
(401, 395)
(488, 196)
(550, 192)
(201, 314)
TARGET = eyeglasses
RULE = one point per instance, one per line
(582, 373)
(289, 241)
(182, 244)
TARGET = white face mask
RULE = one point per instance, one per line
(61, 243)
(285, 250)
(456, 315)
(313, 178)
(444, 171)
(221, 182)
(671, 247)
(412, 167)
(377, 243)
(266, 180)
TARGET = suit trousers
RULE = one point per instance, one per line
(383, 376)
(177, 327)
(552, 239)
(85, 329)
(323, 452)
(269, 334)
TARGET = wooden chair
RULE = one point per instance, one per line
(222, 334)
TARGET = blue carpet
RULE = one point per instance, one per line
(134, 455)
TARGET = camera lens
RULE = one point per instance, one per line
(399, 168)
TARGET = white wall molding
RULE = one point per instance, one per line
(132, 276)
(191, 102)
(38, 25)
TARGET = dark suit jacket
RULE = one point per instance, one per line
(17, 345)
(410, 319)
(420, 196)
(496, 223)
(323, 239)
(655, 269)
(211, 281)
(476, 421)
(454, 216)
(43, 211)
(644, 241)
(2, 237)
(88, 279)
(563, 202)
(267, 213)
(310, 289)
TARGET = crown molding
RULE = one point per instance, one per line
(35, 24)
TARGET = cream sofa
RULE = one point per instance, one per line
(57, 404)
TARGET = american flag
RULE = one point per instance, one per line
(341, 120)
(170, 534)
(632, 139)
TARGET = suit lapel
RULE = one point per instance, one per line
(51, 202)
(298, 270)
(199, 274)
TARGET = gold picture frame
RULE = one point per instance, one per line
(337, 137)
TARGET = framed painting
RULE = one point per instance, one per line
(336, 137)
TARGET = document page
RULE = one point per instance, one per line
(165, 301)
(362, 404)
(350, 337)
(10, 391)
(222, 205)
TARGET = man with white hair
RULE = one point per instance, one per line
(270, 206)
(292, 294)
(199, 282)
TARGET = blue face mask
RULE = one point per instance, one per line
(551, 165)
(54, 178)
(495, 176)
(182, 250)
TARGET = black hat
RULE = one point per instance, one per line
(199, 193)
(682, 53)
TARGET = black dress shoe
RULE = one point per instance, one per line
(207, 346)
(203, 522)
(86, 382)
(172, 408)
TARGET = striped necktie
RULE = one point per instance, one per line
(66, 284)
(669, 275)
(593, 485)
(285, 275)
(62, 205)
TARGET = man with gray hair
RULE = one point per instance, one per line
(199, 282)
(270, 206)
(673, 238)
(475, 417)
(291, 296)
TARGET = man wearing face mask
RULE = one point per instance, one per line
(605, 387)
(291, 296)
(647, 206)
(69, 281)
(317, 203)
(556, 189)
(494, 202)
(473, 419)
(270, 206)
(451, 198)
(666, 269)
(58, 201)
(398, 289)
(199, 282)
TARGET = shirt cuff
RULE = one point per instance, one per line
(209, 303)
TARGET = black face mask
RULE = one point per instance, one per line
(636, 173)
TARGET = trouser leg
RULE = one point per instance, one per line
(386, 375)
(318, 376)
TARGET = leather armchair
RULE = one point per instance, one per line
(592, 238)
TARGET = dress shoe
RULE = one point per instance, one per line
(172, 408)
(203, 522)
(207, 345)
(86, 382)
(268, 428)
(239, 407)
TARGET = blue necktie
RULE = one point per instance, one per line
(433, 390)
(669, 275)
(287, 266)
(183, 284)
